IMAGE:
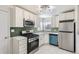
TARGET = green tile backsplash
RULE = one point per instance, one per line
(55, 29)
(17, 31)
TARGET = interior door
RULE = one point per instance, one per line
(4, 33)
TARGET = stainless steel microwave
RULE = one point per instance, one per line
(28, 23)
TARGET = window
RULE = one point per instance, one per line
(45, 24)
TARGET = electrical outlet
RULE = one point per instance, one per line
(12, 30)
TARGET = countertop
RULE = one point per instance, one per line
(54, 33)
(46, 32)
(40, 33)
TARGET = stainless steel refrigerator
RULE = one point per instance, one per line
(67, 35)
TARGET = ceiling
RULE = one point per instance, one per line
(32, 8)
(57, 10)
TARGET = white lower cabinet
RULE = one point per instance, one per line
(43, 38)
(19, 45)
(41, 42)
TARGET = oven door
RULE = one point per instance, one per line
(33, 45)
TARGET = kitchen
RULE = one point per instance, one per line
(39, 29)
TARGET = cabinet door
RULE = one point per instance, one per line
(19, 17)
(4, 33)
(19, 45)
(23, 45)
(31, 17)
(41, 39)
(26, 14)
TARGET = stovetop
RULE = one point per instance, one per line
(30, 35)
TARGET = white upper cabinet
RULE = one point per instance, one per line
(33, 17)
(26, 14)
(19, 17)
(30, 16)
(18, 14)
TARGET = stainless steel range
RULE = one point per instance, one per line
(32, 41)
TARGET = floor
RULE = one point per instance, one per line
(50, 49)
